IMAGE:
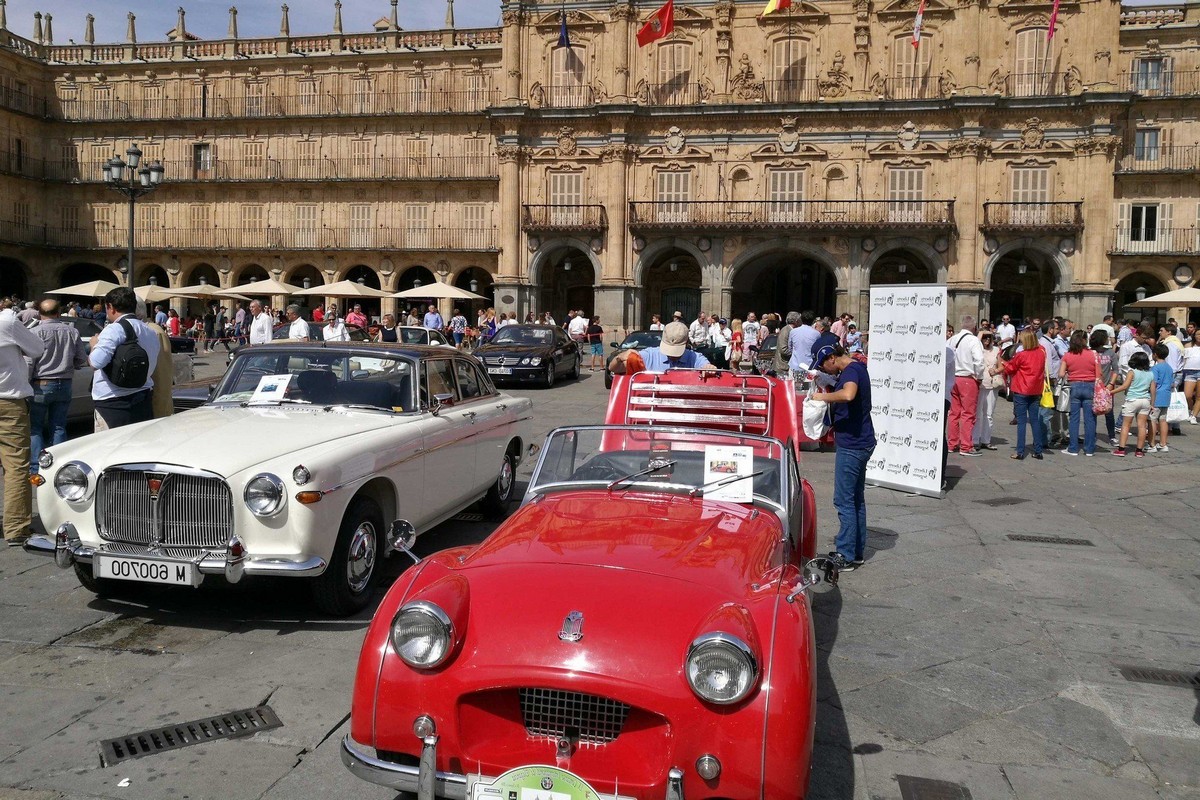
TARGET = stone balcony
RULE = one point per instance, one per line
(1155, 241)
(1185, 158)
(784, 215)
(564, 218)
(1037, 218)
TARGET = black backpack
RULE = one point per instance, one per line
(130, 365)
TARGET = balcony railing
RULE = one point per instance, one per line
(1036, 84)
(1164, 83)
(291, 169)
(425, 101)
(1045, 217)
(1151, 241)
(1184, 158)
(675, 93)
(798, 90)
(260, 239)
(782, 214)
(925, 87)
(567, 96)
(564, 218)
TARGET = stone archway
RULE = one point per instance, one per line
(568, 282)
(366, 276)
(250, 273)
(14, 278)
(1138, 286)
(412, 278)
(900, 266)
(479, 281)
(153, 274)
(672, 283)
(1023, 277)
(780, 280)
(82, 272)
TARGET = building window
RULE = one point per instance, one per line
(785, 192)
(1030, 190)
(69, 218)
(476, 149)
(568, 78)
(478, 91)
(70, 103)
(17, 155)
(911, 67)
(1144, 222)
(1145, 144)
(1148, 75)
(251, 218)
(102, 102)
(476, 230)
(906, 190)
(151, 228)
(416, 226)
(200, 216)
(360, 157)
(202, 160)
(790, 68)
(416, 158)
(309, 166)
(254, 160)
(308, 100)
(102, 218)
(362, 229)
(256, 94)
(153, 106)
(362, 97)
(1031, 67)
(672, 196)
(21, 215)
(566, 198)
(675, 80)
(306, 225)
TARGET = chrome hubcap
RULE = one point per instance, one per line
(504, 483)
(360, 562)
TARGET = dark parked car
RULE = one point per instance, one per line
(764, 360)
(540, 353)
(635, 340)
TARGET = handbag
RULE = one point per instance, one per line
(815, 419)
(1047, 394)
(1102, 402)
(1062, 396)
(1177, 412)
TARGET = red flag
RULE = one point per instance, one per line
(660, 24)
(916, 40)
(1053, 21)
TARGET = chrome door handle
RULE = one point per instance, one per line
(469, 415)
(503, 406)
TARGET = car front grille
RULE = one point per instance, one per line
(190, 510)
(550, 712)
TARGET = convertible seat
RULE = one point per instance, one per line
(317, 386)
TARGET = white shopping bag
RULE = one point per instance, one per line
(1178, 412)
(816, 417)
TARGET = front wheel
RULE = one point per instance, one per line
(101, 587)
(348, 581)
(495, 504)
(575, 368)
(548, 380)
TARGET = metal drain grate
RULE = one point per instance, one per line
(468, 516)
(1020, 537)
(996, 502)
(912, 788)
(1165, 677)
(173, 737)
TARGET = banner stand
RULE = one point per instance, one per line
(906, 359)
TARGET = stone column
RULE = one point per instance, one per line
(622, 16)
(511, 59)
(509, 154)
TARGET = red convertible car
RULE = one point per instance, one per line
(639, 628)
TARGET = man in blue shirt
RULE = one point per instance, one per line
(433, 320)
(115, 405)
(1052, 427)
(671, 353)
(801, 341)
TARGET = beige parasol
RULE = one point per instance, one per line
(267, 288)
(437, 291)
(89, 289)
(1187, 297)
(344, 289)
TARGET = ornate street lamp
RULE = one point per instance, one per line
(474, 284)
(1140, 293)
(133, 179)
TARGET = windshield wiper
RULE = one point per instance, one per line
(359, 407)
(646, 471)
(724, 482)
(280, 402)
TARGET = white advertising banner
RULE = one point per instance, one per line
(906, 358)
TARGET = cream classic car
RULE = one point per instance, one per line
(292, 468)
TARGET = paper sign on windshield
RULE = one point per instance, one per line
(271, 389)
(725, 463)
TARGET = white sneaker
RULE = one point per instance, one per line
(1192, 420)
(1162, 448)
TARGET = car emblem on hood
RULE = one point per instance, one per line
(572, 629)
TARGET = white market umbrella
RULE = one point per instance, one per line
(89, 289)
(200, 291)
(437, 291)
(343, 289)
(1179, 298)
(265, 288)
(153, 293)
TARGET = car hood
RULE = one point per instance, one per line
(724, 546)
(247, 437)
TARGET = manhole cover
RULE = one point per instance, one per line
(912, 788)
(996, 502)
(1021, 537)
(1165, 677)
(186, 734)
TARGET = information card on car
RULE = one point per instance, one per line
(271, 389)
(724, 464)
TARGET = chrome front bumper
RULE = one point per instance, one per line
(233, 563)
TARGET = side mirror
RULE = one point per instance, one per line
(442, 400)
(212, 389)
(402, 536)
(815, 571)
(615, 346)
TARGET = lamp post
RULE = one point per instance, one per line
(133, 179)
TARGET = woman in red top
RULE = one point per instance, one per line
(1027, 373)
(1080, 366)
(173, 325)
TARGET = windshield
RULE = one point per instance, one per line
(641, 340)
(710, 464)
(413, 335)
(518, 335)
(320, 378)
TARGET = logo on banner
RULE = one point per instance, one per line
(877, 463)
(898, 469)
(930, 358)
(928, 416)
(930, 330)
(935, 387)
(906, 301)
(901, 356)
(924, 474)
(900, 412)
(927, 444)
(929, 302)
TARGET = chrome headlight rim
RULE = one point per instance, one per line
(46, 459)
(727, 641)
(276, 483)
(88, 482)
(535, 361)
(440, 617)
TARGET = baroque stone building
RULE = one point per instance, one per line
(741, 163)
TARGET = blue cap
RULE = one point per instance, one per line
(822, 354)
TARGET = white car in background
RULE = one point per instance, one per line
(302, 456)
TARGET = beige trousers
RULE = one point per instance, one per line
(14, 458)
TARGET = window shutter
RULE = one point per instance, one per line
(1166, 232)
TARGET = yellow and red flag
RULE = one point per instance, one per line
(916, 40)
(775, 5)
(660, 24)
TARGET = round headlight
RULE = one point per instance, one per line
(46, 460)
(71, 482)
(301, 475)
(525, 361)
(720, 668)
(535, 361)
(421, 634)
(264, 495)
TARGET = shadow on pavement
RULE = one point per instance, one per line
(832, 775)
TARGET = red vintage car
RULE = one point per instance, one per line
(637, 629)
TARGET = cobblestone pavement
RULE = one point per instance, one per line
(956, 654)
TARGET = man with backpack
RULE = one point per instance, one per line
(124, 355)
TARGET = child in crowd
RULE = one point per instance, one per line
(1163, 383)
(1137, 386)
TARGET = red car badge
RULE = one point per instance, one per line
(572, 629)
